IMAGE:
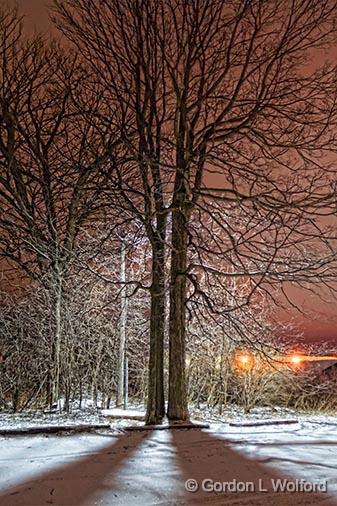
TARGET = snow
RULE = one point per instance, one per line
(31, 419)
(91, 415)
(126, 413)
(112, 467)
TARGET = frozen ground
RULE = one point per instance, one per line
(86, 416)
(142, 468)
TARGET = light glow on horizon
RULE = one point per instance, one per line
(297, 358)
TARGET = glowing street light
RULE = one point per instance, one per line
(295, 359)
(244, 361)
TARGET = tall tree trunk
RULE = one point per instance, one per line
(122, 330)
(57, 290)
(155, 400)
(177, 399)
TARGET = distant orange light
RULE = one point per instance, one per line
(296, 359)
(244, 361)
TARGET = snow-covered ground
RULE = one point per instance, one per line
(112, 467)
(25, 420)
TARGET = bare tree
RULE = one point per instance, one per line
(121, 394)
(220, 110)
(120, 45)
(89, 347)
(49, 183)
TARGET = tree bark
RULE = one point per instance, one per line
(177, 400)
(155, 401)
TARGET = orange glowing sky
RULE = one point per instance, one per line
(36, 13)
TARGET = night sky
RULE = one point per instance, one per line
(325, 325)
(36, 11)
